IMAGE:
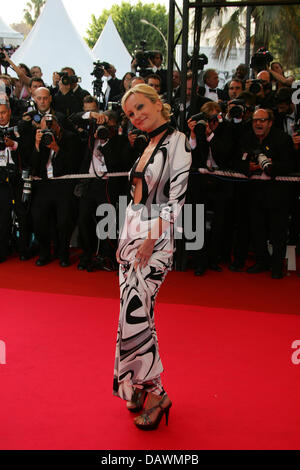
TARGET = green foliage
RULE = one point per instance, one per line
(127, 19)
(276, 27)
(31, 13)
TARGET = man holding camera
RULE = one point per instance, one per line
(213, 142)
(56, 154)
(268, 152)
(262, 88)
(113, 88)
(11, 165)
(67, 94)
(106, 152)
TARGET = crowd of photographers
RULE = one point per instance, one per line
(251, 127)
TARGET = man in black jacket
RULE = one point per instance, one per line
(12, 162)
(56, 154)
(68, 97)
(213, 143)
(269, 152)
(108, 153)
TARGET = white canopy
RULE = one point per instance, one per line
(54, 43)
(8, 35)
(110, 48)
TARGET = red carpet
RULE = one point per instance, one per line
(228, 370)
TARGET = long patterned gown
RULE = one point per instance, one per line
(164, 185)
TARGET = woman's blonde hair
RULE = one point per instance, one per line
(151, 94)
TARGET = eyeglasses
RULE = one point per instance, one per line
(260, 119)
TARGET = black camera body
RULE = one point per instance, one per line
(202, 120)
(261, 59)
(199, 61)
(256, 86)
(237, 111)
(47, 137)
(3, 62)
(67, 79)
(98, 71)
(7, 132)
(102, 132)
(142, 59)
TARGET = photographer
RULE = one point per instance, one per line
(262, 88)
(67, 94)
(269, 152)
(11, 187)
(113, 88)
(56, 153)
(24, 76)
(213, 142)
(106, 152)
(150, 62)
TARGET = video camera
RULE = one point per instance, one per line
(142, 59)
(200, 61)
(67, 79)
(261, 59)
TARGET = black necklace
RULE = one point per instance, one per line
(158, 130)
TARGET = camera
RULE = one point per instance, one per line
(142, 59)
(98, 71)
(202, 121)
(47, 137)
(256, 86)
(3, 62)
(261, 59)
(199, 61)
(67, 79)
(102, 132)
(141, 141)
(237, 111)
(259, 158)
(7, 132)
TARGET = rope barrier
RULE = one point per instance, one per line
(202, 171)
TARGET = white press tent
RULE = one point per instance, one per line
(8, 36)
(110, 48)
(54, 43)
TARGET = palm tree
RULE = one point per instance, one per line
(31, 13)
(272, 24)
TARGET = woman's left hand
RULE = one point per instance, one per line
(144, 253)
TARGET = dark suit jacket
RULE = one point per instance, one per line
(119, 157)
(67, 161)
(222, 147)
(279, 147)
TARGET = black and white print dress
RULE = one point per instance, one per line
(164, 184)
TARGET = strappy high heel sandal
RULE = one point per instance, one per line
(137, 401)
(147, 424)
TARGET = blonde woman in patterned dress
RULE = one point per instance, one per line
(158, 185)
